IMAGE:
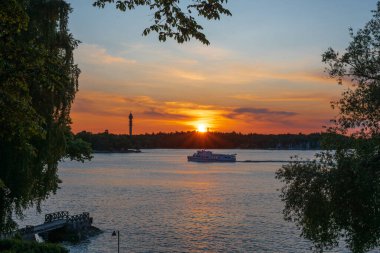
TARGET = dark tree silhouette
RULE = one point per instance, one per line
(337, 195)
(108, 142)
(171, 19)
(38, 80)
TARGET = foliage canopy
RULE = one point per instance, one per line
(18, 246)
(171, 19)
(336, 195)
(38, 82)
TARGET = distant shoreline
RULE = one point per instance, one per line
(112, 143)
(141, 151)
(119, 151)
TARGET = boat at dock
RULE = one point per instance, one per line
(208, 156)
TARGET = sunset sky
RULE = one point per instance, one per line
(262, 72)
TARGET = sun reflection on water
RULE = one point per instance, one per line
(162, 203)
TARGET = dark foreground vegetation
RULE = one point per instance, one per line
(335, 197)
(107, 142)
(20, 246)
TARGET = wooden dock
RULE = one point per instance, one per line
(54, 222)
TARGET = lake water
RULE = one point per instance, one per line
(161, 203)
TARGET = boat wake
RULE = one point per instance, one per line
(268, 161)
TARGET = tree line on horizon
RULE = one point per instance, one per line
(108, 142)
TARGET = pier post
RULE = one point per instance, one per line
(118, 239)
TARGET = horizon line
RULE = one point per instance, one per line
(198, 132)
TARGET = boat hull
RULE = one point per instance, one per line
(220, 158)
(200, 160)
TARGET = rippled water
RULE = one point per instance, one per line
(162, 203)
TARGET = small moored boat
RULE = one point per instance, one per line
(208, 156)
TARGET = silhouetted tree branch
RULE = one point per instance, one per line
(173, 21)
(336, 195)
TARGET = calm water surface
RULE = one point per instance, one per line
(162, 203)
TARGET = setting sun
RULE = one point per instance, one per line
(202, 128)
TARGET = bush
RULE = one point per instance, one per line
(19, 246)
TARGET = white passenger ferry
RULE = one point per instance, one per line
(208, 156)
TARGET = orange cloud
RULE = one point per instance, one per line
(169, 90)
(95, 111)
(94, 54)
(285, 97)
